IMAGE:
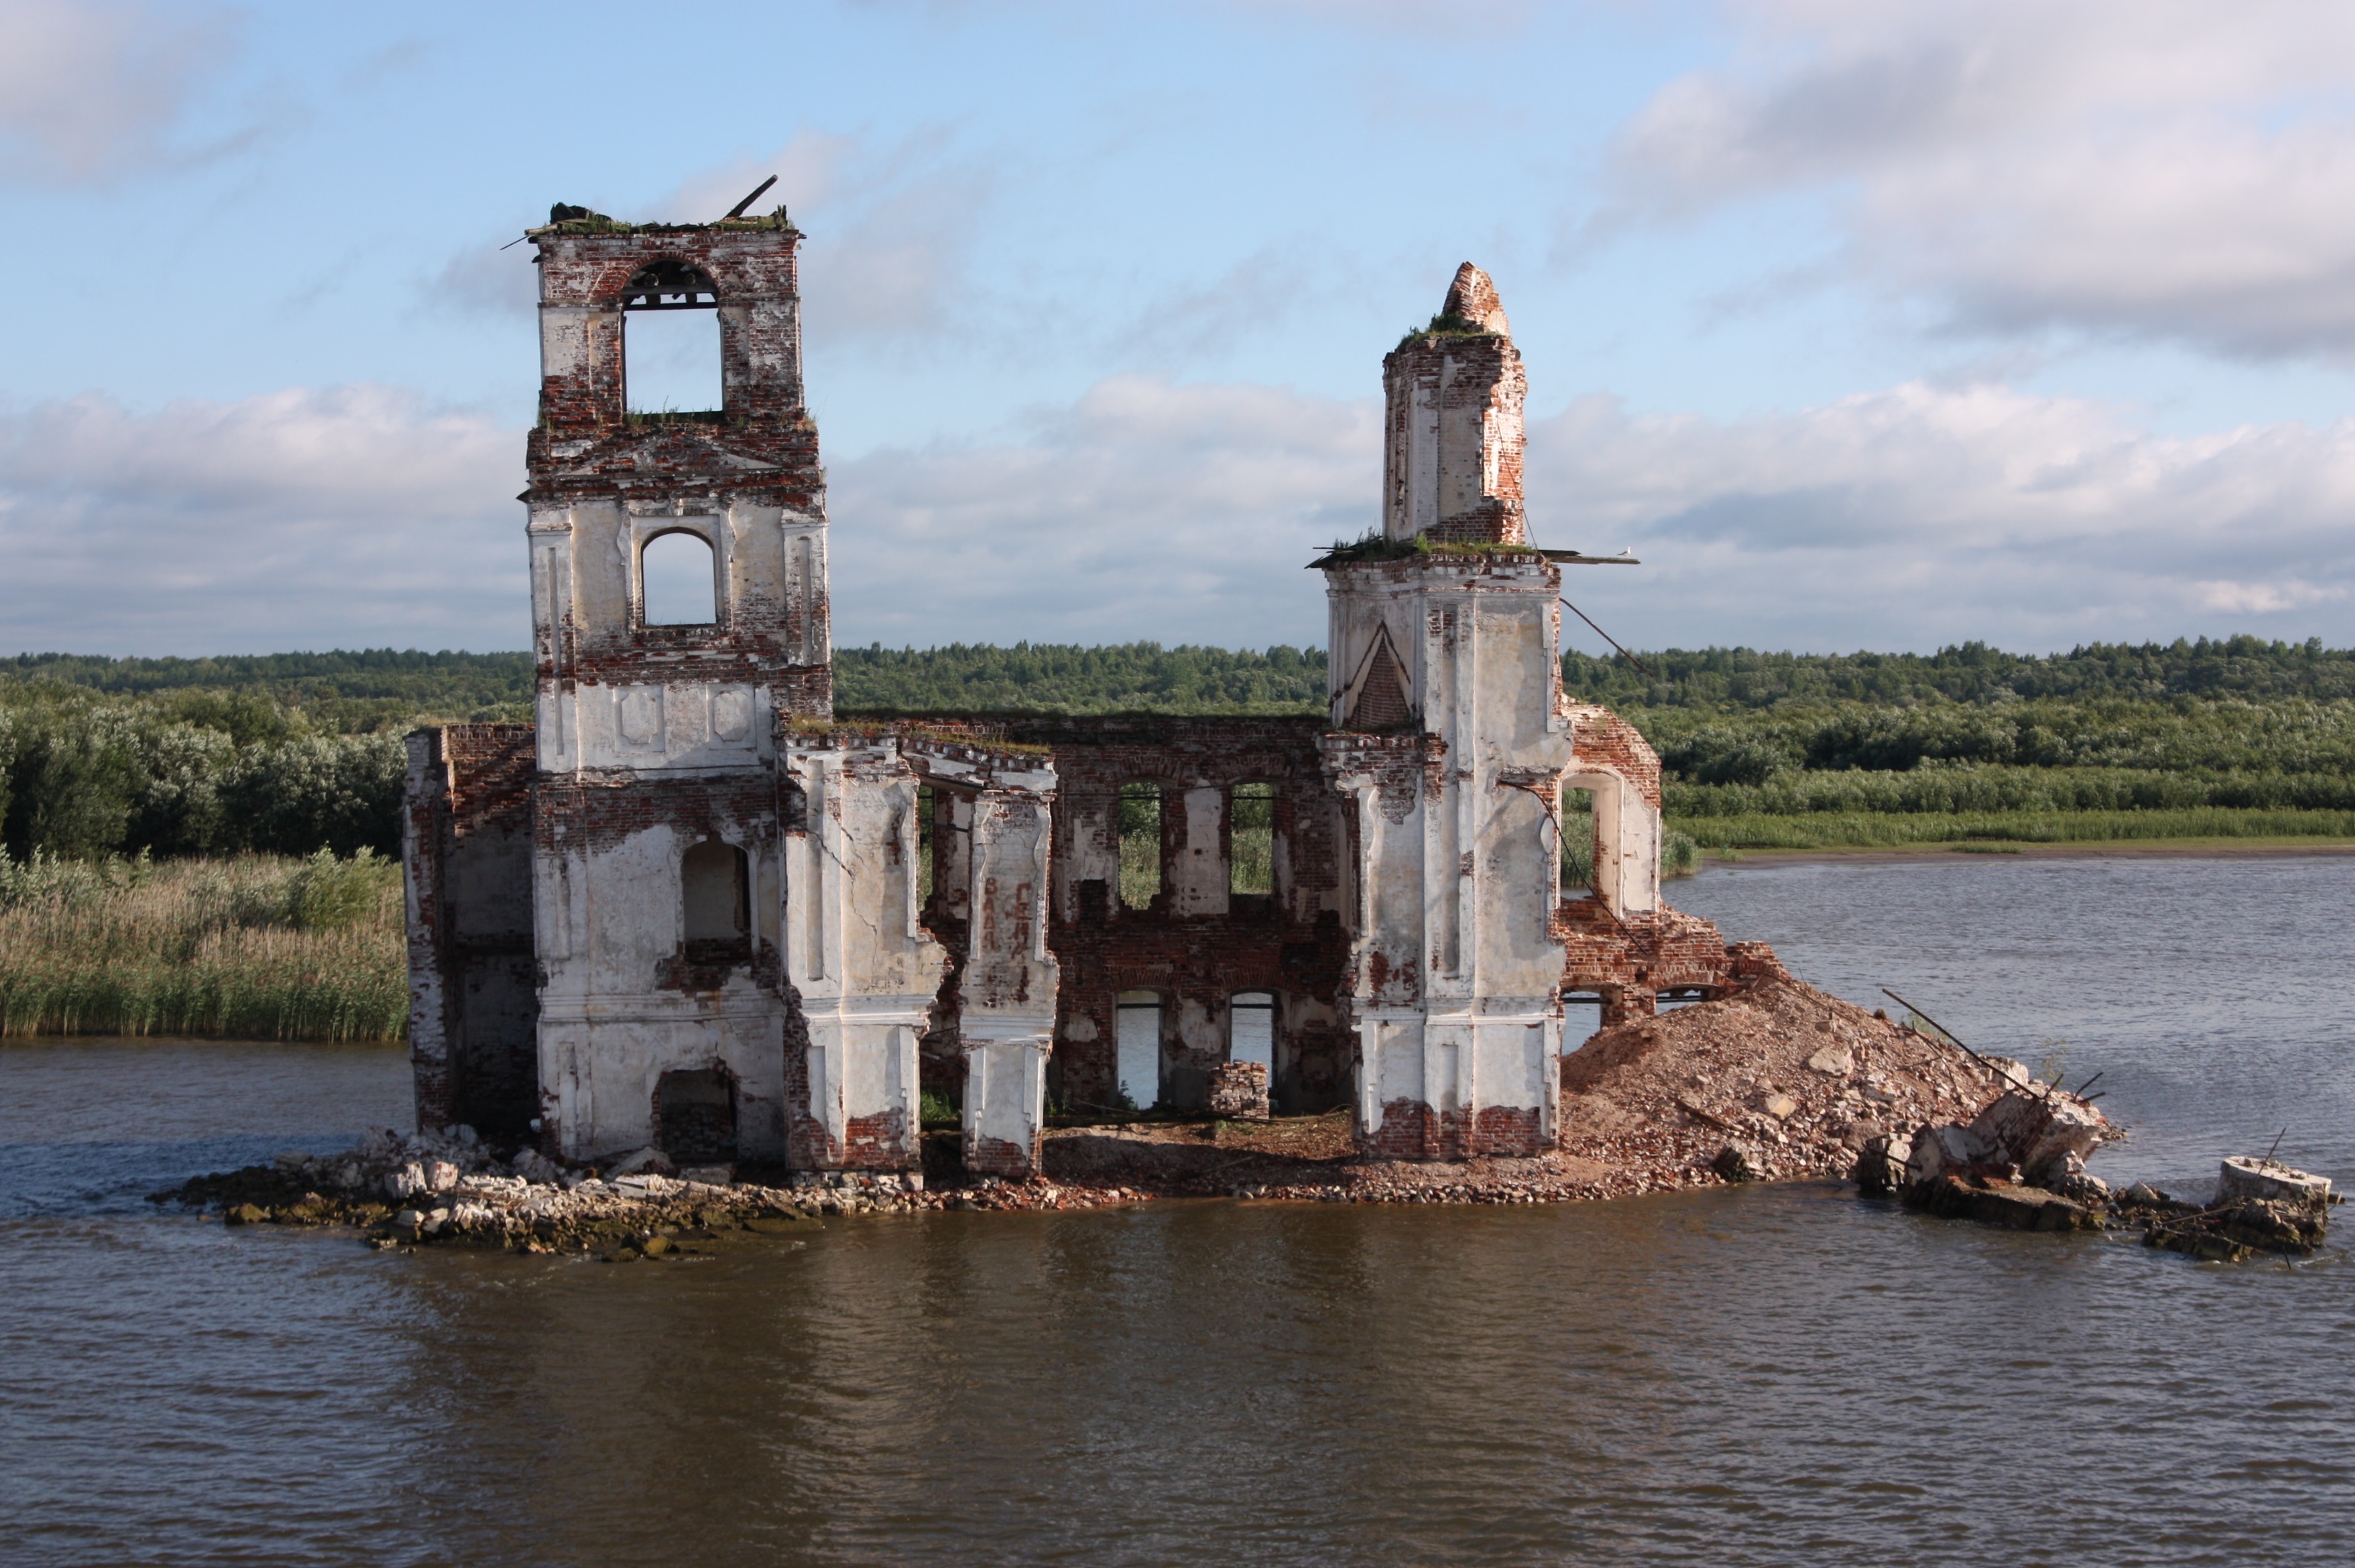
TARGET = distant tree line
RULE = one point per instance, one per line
(191, 772)
(1049, 677)
(295, 752)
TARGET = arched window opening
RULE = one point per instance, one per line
(680, 583)
(1577, 818)
(670, 342)
(1251, 838)
(1139, 1034)
(1250, 1028)
(1140, 844)
(715, 888)
(695, 1117)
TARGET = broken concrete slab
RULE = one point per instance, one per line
(2242, 1176)
(2014, 1205)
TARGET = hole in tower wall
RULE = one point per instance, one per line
(716, 898)
(681, 589)
(1250, 1028)
(695, 1117)
(670, 361)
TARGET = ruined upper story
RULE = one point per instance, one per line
(1453, 425)
(595, 273)
(624, 682)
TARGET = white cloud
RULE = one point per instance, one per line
(2166, 169)
(1145, 510)
(90, 90)
(354, 515)
(1918, 515)
(1902, 518)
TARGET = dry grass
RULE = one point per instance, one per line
(257, 948)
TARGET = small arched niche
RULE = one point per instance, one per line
(679, 580)
(714, 894)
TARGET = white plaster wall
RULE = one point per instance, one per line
(866, 971)
(607, 922)
(1457, 971)
(1007, 993)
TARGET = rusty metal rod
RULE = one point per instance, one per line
(1942, 1029)
(1607, 638)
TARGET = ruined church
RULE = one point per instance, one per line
(692, 906)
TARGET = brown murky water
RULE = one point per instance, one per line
(1777, 1376)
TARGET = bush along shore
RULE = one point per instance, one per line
(254, 947)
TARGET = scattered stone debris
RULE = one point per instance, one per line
(449, 1188)
(2260, 1207)
(2021, 1163)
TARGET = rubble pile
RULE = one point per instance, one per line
(2021, 1162)
(1238, 1090)
(1776, 1080)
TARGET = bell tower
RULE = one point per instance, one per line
(1453, 739)
(678, 580)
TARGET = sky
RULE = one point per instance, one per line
(1864, 324)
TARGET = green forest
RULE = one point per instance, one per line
(289, 753)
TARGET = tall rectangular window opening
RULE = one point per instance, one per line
(677, 577)
(716, 895)
(1139, 1036)
(1250, 1028)
(1251, 838)
(1140, 844)
(1577, 819)
(670, 341)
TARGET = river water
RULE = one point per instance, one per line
(1787, 1375)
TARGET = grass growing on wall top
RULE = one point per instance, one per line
(253, 947)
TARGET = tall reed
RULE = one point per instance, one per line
(257, 948)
